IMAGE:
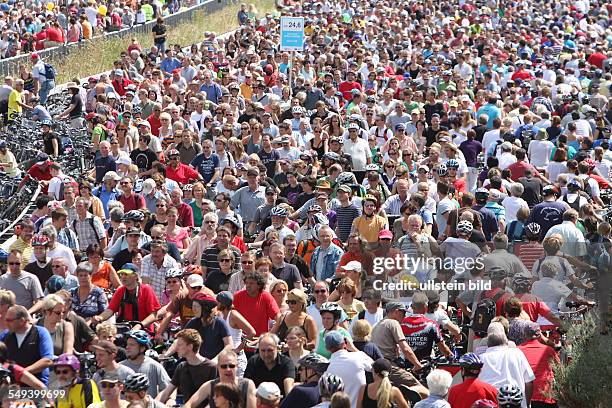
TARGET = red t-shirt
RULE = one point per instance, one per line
(147, 303)
(133, 202)
(155, 124)
(182, 174)
(517, 170)
(522, 75)
(540, 358)
(596, 59)
(469, 391)
(460, 185)
(239, 243)
(55, 34)
(346, 88)
(533, 306)
(258, 310)
(38, 174)
(185, 215)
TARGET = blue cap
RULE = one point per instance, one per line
(130, 267)
(333, 340)
(2, 144)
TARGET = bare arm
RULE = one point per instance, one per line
(31, 380)
(398, 398)
(288, 384)
(200, 395)
(409, 354)
(165, 394)
(251, 399)
(68, 338)
(360, 396)
(39, 366)
(528, 392)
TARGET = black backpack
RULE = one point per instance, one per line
(50, 72)
(485, 311)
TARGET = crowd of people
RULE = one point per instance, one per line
(28, 26)
(309, 229)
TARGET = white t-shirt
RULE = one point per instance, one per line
(539, 152)
(512, 205)
(351, 367)
(359, 152)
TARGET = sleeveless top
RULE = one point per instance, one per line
(283, 329)
(57, 336)
(236, 334)
(243, 386)
(367, 401)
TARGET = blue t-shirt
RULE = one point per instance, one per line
(45, 350)
(547, 214)
(214, 334)
(489, 221)
(302, 396)
(103, 166)
(206, 166)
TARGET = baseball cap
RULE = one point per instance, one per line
(132, 231)
(253, 171)
(549, 189)
(333, 339)
(111, 377)
(385, 234)
(124, 160)
(147, 186)
(195, 281)
(128, 268)
(268, 391)
(352, 266)
(225, 298)
(400, 126)
(345, 188)
(42, 158)
(106, 345)
(2, 144)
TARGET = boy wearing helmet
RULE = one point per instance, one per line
(135, 389)
(79, 393)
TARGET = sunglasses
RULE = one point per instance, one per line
(226, 366)
(14, 263)
(292, 302)
(65, 372)
(108, 385)
(53, 266)
(320, 291)
(225, 260)
(247, 262)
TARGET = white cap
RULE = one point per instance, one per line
(195, 280)
(268, 391)
(124, 160)
(147, 186)
(352, 266)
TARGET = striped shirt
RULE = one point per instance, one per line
(345, 217)
(88, 232)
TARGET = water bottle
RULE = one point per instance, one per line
(178, 401)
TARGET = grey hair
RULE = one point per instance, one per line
(438, 382)
(84, 267)
(496, 335)
(517, 189)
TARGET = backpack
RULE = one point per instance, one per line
(485, 311)
(542, 260)
(527, 135)
(50, 72)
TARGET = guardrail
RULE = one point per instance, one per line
(7, 233)
(10, 66)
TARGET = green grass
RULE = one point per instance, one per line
(98, 55)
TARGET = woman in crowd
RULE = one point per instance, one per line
(61, 331)
(103, 274)
(176, 234)
(296, 316)
(88, 300)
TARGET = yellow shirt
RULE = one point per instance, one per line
(25, 249)
(246, 91)
(13, 107)
(122, 404)
(87, 30)
(76, 397)
(369, 229)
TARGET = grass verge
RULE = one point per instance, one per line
(98, 55)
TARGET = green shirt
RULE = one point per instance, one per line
(321, 341)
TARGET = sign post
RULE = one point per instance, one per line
(292, 39)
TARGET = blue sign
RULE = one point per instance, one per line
(292, 34)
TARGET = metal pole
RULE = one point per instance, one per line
(292, 56)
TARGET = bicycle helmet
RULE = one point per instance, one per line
(5, 376)
(140, 336)
(329, 384)
(46, 122)
(345, 178)
(136, 110)
(314, 361)
(482, 403)
(370, 197)
(510, 395)
(372, 167)
(320, 218)
(452, 164)
(40, 240)
(231, 220)
(188, 187)
(481, 194)
(464, 227)
(532, 229)
(278, 211)
(573, 185)
(55, 283)
(3, 256)
(69, 360)
(134, 215)
(522, 282)
(315, 208)
(136, 382)
(174, 152)
(497, 273)
(331, 307)
(332, 156)
(174, 273)
(471, 361)
(442, 170)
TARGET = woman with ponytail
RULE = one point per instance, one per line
(380, 393)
